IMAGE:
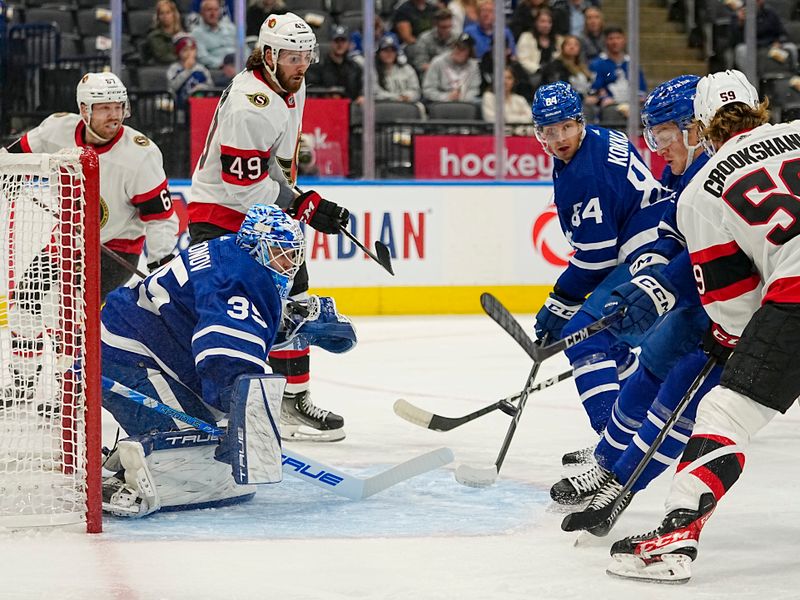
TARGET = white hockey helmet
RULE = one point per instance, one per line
(287, 32)
(95, 88)
(720, 89)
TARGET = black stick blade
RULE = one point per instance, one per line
(500, 315)
(384, 256)
(587, 519)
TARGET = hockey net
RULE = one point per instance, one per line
(50, 432)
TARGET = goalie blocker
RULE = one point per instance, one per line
(179, 470)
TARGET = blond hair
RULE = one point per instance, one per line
(735, 118)
(176, 22)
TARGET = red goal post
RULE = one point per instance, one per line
(50, 397)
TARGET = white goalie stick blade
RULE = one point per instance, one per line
(672, 568)
(412, 414)
(477, 477)
(359, 488)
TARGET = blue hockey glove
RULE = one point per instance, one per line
(555, 313)
(644, 298)
(646, 260)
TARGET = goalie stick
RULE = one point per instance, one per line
(589, 519)
(302, 467)
(486, 476)
(423, 418)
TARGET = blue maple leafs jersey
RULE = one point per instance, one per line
(206, 317)
(608, 206)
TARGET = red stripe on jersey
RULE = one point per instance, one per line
(26, 146)
(732, 291)
(290, 354)
(128, 246)
(80, 137)
(221, 216)
(714, 252)
(145, 196)
(785, 289)
(231, 151)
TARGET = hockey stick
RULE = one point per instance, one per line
(382, 256)
(544, 352)
(300, 466)
(589, 519)
(121, 261)
(423, 418)
(485, 476)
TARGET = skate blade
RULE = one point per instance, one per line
(672, 569)
(565, 509)
(303, 433)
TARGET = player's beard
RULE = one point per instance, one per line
(290, 84)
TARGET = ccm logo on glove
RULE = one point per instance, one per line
(323, 215)
(662, 299)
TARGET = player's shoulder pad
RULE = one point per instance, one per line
(60, 119)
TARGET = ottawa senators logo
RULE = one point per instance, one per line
(141, 140)
(103, 213)
(85, 78)
(272, 22)
(258, 99)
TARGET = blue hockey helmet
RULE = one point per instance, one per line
(556, 102)
(672, 101)
(275, 240)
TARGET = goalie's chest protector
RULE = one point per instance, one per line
(131, 174)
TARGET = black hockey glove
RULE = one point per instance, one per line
(323, 215)
(713, 347)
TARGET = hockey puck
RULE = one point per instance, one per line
(508, 408)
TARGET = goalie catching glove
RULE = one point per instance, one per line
(644, 298)
(316, 322)
(323, 215)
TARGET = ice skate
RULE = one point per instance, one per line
(302, 421)
(664, 555)
(584, 456)
(575, 489)
(604, 497)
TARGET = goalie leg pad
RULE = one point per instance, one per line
(254, 439)
(174, 470)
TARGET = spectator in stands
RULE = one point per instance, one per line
(770, 35)
(357, 41)
(465, 12)
(483, 31)
(195, 12)
(525, 15)
(394, 81)
(611, 79)
(258, 11)
(336, 71)
(592, 40)
(158, 47)
(215, 37)
(186, 74)
(413, 17)
(229, 70)
(517, 108)
(433, 42)
(525, 86)
(568, 16)
(538, 47)
(569, 66)
(454, 75)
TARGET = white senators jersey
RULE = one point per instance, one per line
(133, 186)
(741, 218)
(250, 152)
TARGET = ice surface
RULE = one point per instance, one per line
(429, 537)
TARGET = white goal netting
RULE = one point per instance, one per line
(43, 317)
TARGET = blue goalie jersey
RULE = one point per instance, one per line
(206, 317)
(608, 205)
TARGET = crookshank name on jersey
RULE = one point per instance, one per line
(749, 155)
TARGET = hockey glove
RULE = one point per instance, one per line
(715, 343)
(555, 313)
(323, 215)
(648, 259)
(644, 298)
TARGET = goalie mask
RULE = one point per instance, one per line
(275, 240)
(98, 88)
(286, 39)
